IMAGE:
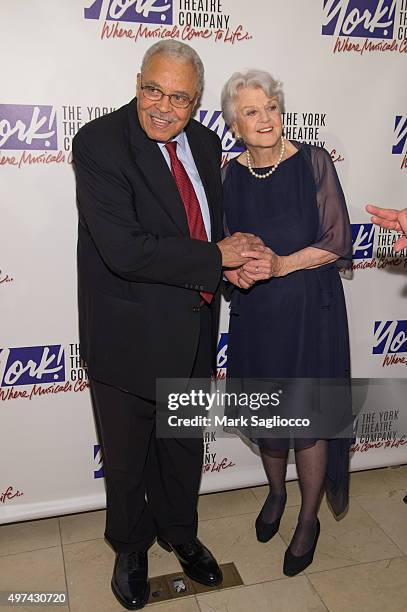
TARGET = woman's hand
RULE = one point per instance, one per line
(264, 264)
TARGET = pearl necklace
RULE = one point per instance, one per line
(273, 169)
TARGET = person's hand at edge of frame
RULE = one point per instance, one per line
(393, 219)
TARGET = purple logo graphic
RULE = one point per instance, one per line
(222, 351)
(32, 364)
(97, 456)
(214, 121)
(25, 126)
(139, 11)
(359, 18)
(363, 239)
(390, 337)
(400, 131)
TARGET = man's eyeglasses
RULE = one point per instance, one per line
(177, 100)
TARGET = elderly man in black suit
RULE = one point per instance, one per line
(150, 256)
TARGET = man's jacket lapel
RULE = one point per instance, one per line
(205, 168)
(156, 172)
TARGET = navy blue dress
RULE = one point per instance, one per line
(293, 326)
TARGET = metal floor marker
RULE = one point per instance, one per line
(174, 586)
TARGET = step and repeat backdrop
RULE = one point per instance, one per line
(343, 64)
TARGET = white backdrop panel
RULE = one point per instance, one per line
(63, 63)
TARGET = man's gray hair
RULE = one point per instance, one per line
(179, 51)
(250, 78)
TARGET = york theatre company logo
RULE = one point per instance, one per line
(144, 11)
(310, 127)
(5, 278)
(185, 20)
(212, 464)
(222, 356)
(98, 472)
(363, 26)
(30, 371)
(9, 494)
(400, 139)
(373, 247)
(390, 341)
(214, 121)
(35, 134)
(26, 129)
(307, 127)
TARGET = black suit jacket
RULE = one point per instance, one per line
(139, 272)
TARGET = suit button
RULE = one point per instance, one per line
(196, 309)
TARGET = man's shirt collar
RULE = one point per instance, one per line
(180, 139)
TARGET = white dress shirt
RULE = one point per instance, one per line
(185, 156)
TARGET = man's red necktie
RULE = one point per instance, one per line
(191, 203)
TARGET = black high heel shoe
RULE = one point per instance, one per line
(293, 565)
(265, 531)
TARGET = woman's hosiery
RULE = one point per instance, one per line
(311, 468)
(275, 466)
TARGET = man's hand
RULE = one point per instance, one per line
(392, 219)
(233, 246)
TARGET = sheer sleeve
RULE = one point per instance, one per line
(334, 232)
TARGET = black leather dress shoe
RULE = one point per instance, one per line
(293, 565)
(196, 560)
(130, 580)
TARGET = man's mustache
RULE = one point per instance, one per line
(162, 117)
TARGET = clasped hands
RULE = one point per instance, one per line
(248, 260)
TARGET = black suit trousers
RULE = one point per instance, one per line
(151, 483)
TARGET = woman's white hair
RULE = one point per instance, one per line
(250, 78)
(179, 51)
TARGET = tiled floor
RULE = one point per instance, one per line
(360, 563)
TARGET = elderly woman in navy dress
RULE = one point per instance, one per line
(288, 314)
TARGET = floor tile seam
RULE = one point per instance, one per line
(200, 521)
(254, 513)
(64, 543)
(198, 604)
(287, 505)
(317, 593)
(307, 574)
(63, 561)
(256, 584)
(229, 515)
(266, 485)
(285, 540)
(381, 529)
(157, 604)
(402, 553)
(402, 490)
(22, 552)
(81, 541)
(302, 574)
(254, 495)
(357, 564)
